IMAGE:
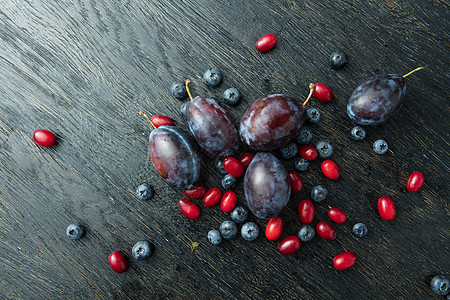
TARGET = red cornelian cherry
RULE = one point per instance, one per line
(326, 231)
(308, 152)
(289, 245)
(118, 262)
(296, 181)
(233, 166)
(212, 197)
(266, 42)
(44, 137)
(337, 215)
(195, 192)
(344, 260)
(330, 169)
(415, 182)
(189, 208)
(274, 228)
(246, 158)
(386, 208)
(160, 120)
(228, 202)
(322, 93)
(306, 211)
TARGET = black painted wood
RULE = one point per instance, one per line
(84, 69)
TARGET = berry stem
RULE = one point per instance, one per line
(141, 113)
(415, 70)
(311, 89)
(188, 90)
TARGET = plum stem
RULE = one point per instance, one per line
(311, 89)
(188, 90)
(141, 113)
(415, 70)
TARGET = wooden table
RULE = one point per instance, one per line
(84, 69)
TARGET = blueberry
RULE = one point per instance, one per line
(239, 214)
(231, 96)
(214, 237)
(228, 229)
(250, 231)
(313, 115)
(142, 250)
(324, 148)
(304, 136)
(338, 59)
(440, 285)
(359, 230)
(306, 233)
(178, 90)
(319, 193)
(212, 77)
(380, 146)
(183, 110)
(289, 151)
(229, 181)
(218, 166)
(74, 231)
(358, 133)
(144, 192)
(301, 164)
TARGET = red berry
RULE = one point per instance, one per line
(322, 93)
(326, 231)
(228, 202)
(337, 215)
(189, 208)
(289, 245)
(330, 169)
(386, 208)
(212, 197)
(344, 260)
(266, 42)
(44, 137)
(195, 192)
(274, 228)
(118, 262)
(308, 152)
(296, 181)
(160, 120)
(246, 159)
(415, 182)
(306, 211)
(233, 166)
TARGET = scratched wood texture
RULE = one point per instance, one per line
(83, 69)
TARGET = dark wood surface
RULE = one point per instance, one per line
(84, 69)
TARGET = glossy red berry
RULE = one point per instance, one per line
(330, 169)
(44, 137)
(326, 231)
(337, 215)
(308, 152)
(160, 120)
(289, 245)
(415, 182)
(306, 211)
(322, 93)
(296, 181)
(189, 208)
(266, 42)
(118, 262)
(344, 260)
(195, 192)
(386, 208)
(228, 202)
(212, 197)
(233, 166)
(246, 159)
(274, 228)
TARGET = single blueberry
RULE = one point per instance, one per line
(239, 214)
(319, 193)
(183, 110)
(218, 166)
(440, 285)
(228, 229)
(178, 90)
(229, 181)
(249, 231)
(289, 151)
(301, 164)
(144, 192)
(359, 230)
(338, 59)
(214, 237)
(212, 77)
(313, 115)
(231, 96)
(306, 233)
(142, 250)
(380, 146)
(324, 148)
(358, 133)
(304, 136)
(74, 231)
